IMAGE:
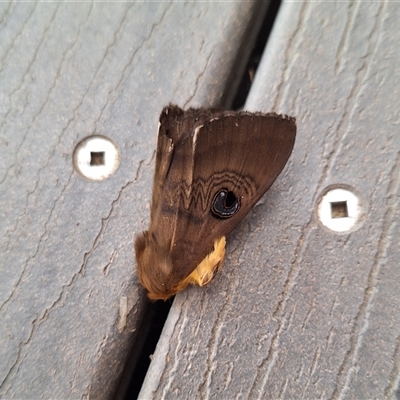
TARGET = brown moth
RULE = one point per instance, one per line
(211, 168)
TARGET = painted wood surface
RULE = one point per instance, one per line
(299, 311)
(70, 303)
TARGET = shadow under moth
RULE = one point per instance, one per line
(211, 168)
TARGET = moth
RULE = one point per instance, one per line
(211, 168)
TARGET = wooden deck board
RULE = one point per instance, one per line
(70, 302)
(299, 311)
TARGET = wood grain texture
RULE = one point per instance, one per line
(298, 311)
(69, 300)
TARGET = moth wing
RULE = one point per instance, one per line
(242, 153)
(173, 155)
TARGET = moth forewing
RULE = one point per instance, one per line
(211, 168)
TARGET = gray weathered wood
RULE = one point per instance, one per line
(299, 311)
(70, 302)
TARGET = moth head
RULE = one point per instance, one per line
(154, 267)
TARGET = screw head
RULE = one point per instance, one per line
(96, 158)
(340, 208)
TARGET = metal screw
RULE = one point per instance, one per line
(96, 158)
(340, 209)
